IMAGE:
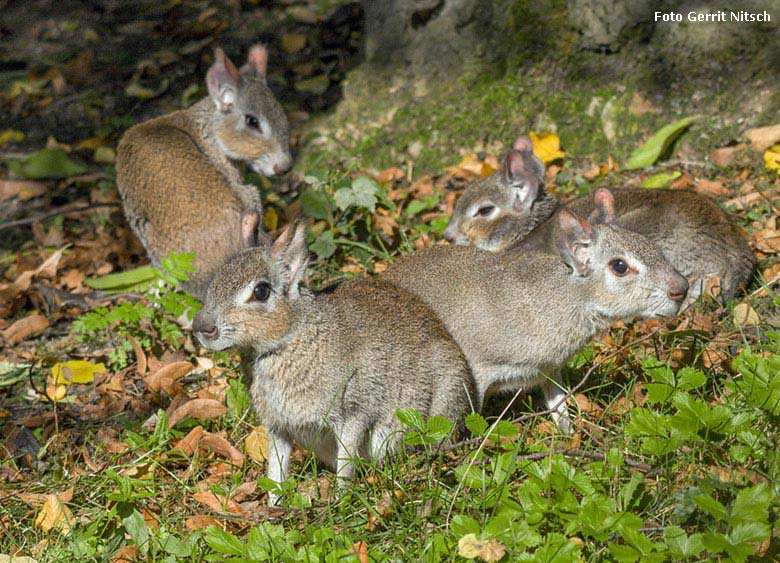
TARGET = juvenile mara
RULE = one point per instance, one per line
(519, 317)
(329, 370)
(179, 188)
(512, 210)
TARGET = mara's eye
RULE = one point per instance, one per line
(262, 292)
(252, 122)
(618, 266)
(485, 210)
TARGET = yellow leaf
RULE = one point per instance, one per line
(271, 219)
(469, 546)
(547, 146)
(92, 143)
(16, 559)
(256, 444)
(11, 135)
(772, 158)
(54, 514)
(76, 371)
(745, 316)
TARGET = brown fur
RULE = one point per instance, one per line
(179, 189)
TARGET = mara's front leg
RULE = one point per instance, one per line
(351, 438)
(279, 449)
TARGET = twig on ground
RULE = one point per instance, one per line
(65, 209)
(582, 453)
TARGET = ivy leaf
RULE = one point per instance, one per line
(316, 204)
(46, 163)
(361, 193)
(660, 180)
(648, 153)
(324, 246)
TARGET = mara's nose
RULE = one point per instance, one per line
(282, 168)
(205, 327)
(678, 288)
(449, 234)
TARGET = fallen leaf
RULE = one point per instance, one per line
(140, 356)
(256, 444)
(660, 180)
(221, 446)
(202, 522)
(745, 316)
(76, 371)
(244, 491)
(725, 156)
(22, 190)
(54, 514)
(655, 146)
(189, 443)
(166, 378)
(11, 136)
(710, 188)
(16, 559)
(217, 503)
(683, 182)
(772, 158)
(24, 327)
(767, 241)
(389, 175)
(471, 166)
(547, 146)
(202, 409)
(126, 554)
(361, 550)
(761, 138)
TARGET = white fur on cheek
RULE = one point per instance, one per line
(243, 296)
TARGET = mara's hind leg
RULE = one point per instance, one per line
(555, 398)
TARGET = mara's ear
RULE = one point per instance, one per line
(223, 81)
(291, 253)
(249, 223)
(533, 163)
(523, 183)
(573, 239)
(256, 61)
(604, 212)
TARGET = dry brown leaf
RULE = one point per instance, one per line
(385, 223)
(24, 327)
(389, 175)
(761, 138)
(72, 278)
(683, 182)
(203, 522)
(166, 378)
(710, 188)
(140, 356)
(361, 550)
(256, 444)
(221, 446)
(202, 409)
(127, 554)
(244, 491)
(189, 443)
(767, 241)
(725, 156)
(217, 503)
(745, 201)
(54, 514)
(21, 189)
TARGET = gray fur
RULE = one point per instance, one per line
(697, 237)
(519, 317)
(330, 370)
